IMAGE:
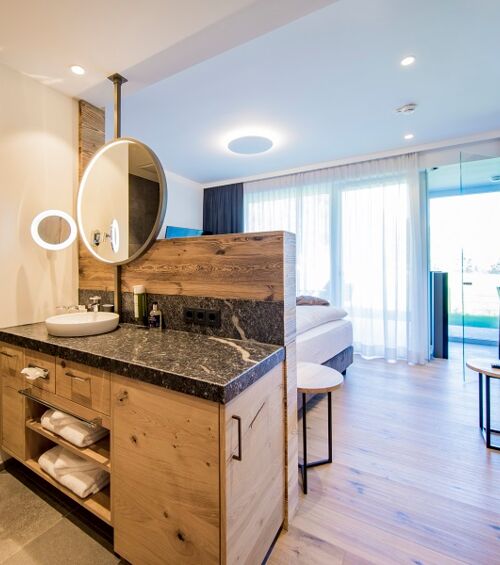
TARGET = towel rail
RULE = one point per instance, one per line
(96, 422)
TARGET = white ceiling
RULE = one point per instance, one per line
(147, 41)
(326, 87)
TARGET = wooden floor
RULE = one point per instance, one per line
(411, 481)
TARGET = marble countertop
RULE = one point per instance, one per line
(209, 367)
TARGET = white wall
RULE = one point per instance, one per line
(38, 170)
(185, 196)
(185, 203)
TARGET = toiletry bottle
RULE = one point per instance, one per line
(155, 317)
(140, 305)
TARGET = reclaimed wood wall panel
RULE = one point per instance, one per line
(245, 266)
(94, 274)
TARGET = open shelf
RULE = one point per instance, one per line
(99, 504)
(98, 452)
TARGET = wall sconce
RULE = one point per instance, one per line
(53, 230)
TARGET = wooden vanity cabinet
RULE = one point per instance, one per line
(12, 405)
(253, 470)
(195, 481)
(192, 481)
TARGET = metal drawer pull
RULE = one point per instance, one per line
(71, 376)
(239, 456)
(7, 354)
(27, 392)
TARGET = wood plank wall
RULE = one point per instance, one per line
(258, 266)
(90, 140)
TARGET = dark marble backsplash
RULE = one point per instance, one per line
(240, 319)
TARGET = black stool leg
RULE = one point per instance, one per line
(480, 380)
(304, 439)
(488, 413)
(330, 434)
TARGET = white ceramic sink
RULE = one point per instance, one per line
(81, 324)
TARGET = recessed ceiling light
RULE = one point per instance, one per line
(77, 70)
(409, 136)
(250, 144)
(407, 61)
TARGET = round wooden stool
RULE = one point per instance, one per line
(316, 379)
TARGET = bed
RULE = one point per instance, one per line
(324, 336)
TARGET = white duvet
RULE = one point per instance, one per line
(309, 317)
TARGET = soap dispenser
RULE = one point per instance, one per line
(155, 317)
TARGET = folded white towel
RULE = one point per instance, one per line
(33, 373)
(83, 482)
(71, 429)
(68, 462)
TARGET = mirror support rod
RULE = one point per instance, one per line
(118, 80)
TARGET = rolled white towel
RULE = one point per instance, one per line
(33, 373)
(72, 429)
(83, 482)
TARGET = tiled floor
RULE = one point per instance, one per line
(39, 527)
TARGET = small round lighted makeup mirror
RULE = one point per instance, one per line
(53, 230)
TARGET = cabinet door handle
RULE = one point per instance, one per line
(4, 353)
(71, 376)
(239, 456)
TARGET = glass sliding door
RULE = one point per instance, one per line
(480, 195)
(464, 218)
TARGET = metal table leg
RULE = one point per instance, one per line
(481, 407)
(487, 427)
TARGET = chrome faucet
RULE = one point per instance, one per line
(94, 304)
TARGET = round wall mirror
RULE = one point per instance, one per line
(121, 201)
(53, 230)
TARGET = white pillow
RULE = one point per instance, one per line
(309, 317)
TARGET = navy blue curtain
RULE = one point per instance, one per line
(223, 209)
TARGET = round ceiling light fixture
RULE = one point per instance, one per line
(407, 61)
(250, 144)
(77, 70)
(409, 136)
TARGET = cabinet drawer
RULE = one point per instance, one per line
(13, 422)
(11, 365)
(83, 385)
(42, 361)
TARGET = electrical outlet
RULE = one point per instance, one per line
(202, 317)
(213, 318)
(188, 315)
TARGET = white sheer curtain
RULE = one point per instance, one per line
(361, 243)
